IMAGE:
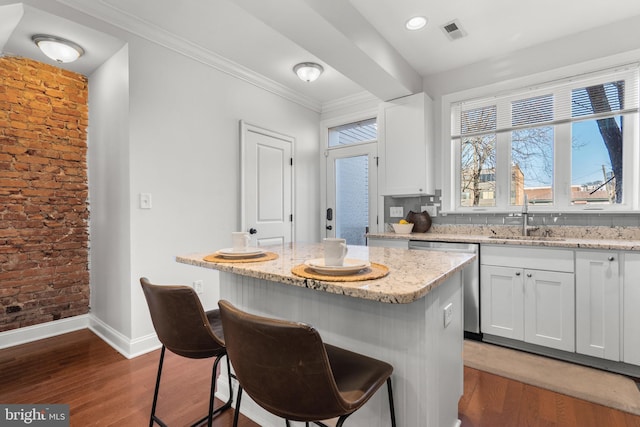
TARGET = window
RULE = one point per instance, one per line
(354, 133)
(565, 145)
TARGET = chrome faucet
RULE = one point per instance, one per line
(526, 228)
(525, 216)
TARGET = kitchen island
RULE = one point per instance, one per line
(412, 319)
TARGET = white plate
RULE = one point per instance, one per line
(247, 253)
(350, 266)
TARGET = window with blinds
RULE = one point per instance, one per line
(563, 145)
(354, 133)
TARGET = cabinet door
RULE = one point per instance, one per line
(598, 304)
(404, 140)
(549, 309)
(502, 301)
(631, 314)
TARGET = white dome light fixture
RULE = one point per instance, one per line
(416, 23)
(57, 48)
(308, 71)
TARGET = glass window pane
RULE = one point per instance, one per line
(352, 198)
(477, 171)
(353, 133)
(532, 166)
(596, 146)
(596, 161)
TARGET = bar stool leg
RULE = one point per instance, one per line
(236, 415)
(155, 393)
(391, 408)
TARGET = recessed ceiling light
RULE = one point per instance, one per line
(416, 23)
(57, 48)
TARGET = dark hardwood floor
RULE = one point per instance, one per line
(105, 389)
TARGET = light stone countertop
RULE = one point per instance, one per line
(412, 274)
(556, 241)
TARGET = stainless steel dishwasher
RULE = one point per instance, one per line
(470, 280)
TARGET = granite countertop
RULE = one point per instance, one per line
(412, 274)
(556, 242)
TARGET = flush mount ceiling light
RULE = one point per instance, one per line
(308, 71)
(58, 49)
(416, 23)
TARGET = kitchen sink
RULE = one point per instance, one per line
(539, 238)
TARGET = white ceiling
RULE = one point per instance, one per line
(362, 44)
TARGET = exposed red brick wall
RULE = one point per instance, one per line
(44, 213)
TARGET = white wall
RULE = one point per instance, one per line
(184, 150)
(108, 171)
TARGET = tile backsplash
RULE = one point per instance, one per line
(545, 220)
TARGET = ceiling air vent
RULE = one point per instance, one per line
(453, 30)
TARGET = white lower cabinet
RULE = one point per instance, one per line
(631, 309)
(522, 301)
(549, 316)
(502, 301)
(598, 314)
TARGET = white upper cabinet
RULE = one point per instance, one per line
(405, 136)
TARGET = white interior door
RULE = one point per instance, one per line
(352, 186)
(266, 185)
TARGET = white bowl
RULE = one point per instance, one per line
(402, 228)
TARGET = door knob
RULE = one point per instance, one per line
(252, 231)
(517, 273)
(329, 227)
(611, 258)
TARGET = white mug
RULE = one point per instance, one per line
(240, 240)
(334, 251)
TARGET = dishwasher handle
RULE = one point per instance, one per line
(464, 250)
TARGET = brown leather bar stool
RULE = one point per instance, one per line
(185, 329)
(287, 369)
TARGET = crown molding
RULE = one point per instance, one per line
(133, 24)
(350, 101)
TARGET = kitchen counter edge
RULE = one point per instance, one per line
(570, 243)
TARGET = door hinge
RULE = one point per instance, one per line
(291, 161)
(377, 220)
(290, 217)
(377, 160)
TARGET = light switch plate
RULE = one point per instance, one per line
(396, 212)
(198, 286)
(448, 314)
(145, 200)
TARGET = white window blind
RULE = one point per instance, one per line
(594, 96)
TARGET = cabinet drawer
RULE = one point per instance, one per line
(525, 257)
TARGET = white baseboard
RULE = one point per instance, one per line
(124, 345)
(43, 330)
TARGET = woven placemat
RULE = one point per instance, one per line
(216, 257)
(376, 271)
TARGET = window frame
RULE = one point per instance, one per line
(501, 95)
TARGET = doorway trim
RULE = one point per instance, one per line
(325, 125)
(244, 129)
